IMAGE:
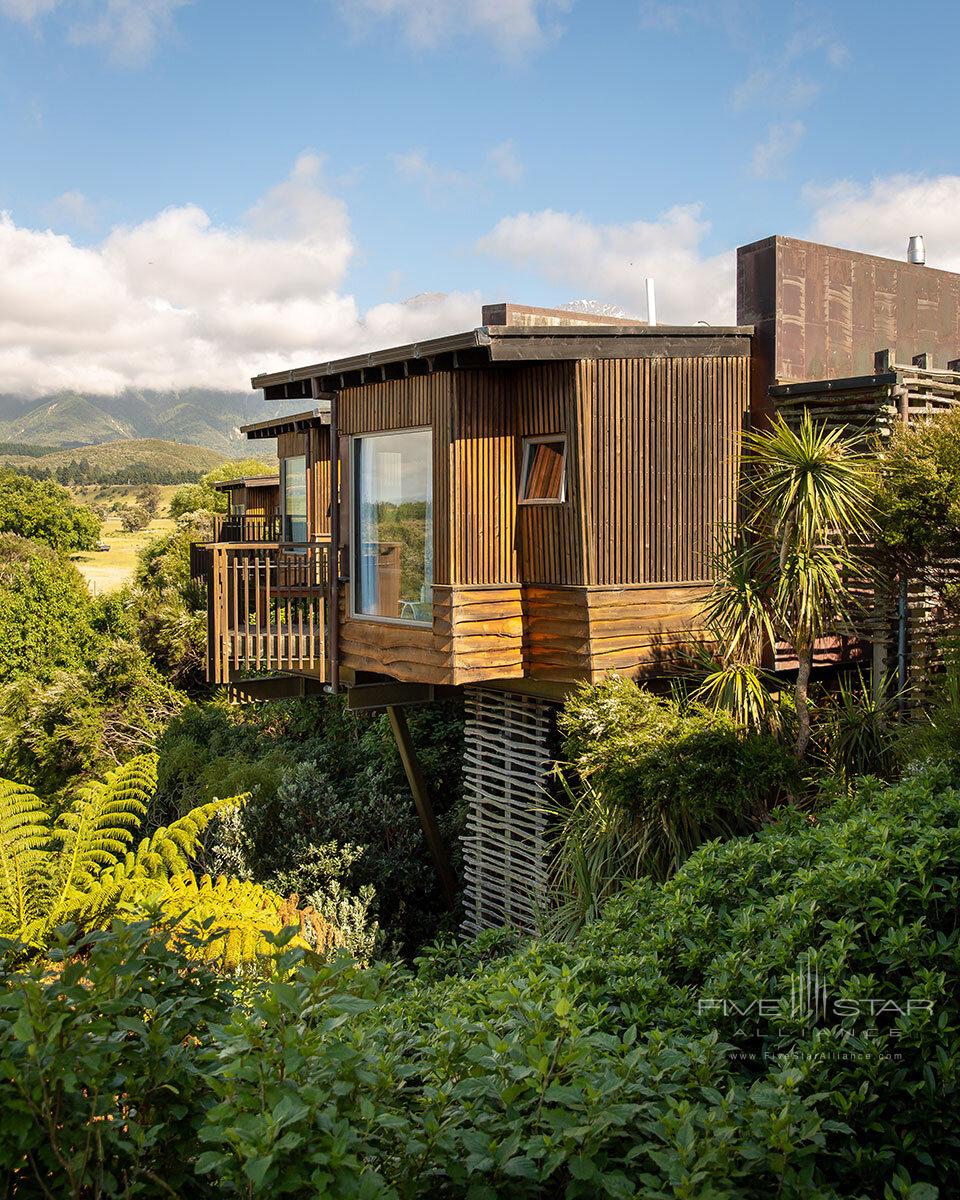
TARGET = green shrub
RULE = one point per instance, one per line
(45, 612)
(610, 1067)
(203, 495)
(45, 512)
(646, 780)
(103, 1084)
(318, 774)
(86, 719)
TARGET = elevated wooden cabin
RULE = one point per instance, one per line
(523, 501)
(253, 506)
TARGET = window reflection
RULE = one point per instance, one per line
(394, 525)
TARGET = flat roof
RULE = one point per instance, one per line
(518, 344)
(288, 423)
(249, 481)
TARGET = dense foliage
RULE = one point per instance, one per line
(84, 867)
(646, 780)
(84, 719)
(918, 493)
(203, 496)
(318, 774)
(635, 1062)
(45, 612)
(45, 512)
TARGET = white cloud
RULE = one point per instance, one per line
(515, 27)
(437, 181)
(129, 29)
(770, 154)
(415, 167)
(72, 209)
(879, 217)
(178, 300)
(612, 261)
(506, 162)
(26, 10)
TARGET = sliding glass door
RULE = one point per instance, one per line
(293, 498)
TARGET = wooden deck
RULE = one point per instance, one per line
(266, 609)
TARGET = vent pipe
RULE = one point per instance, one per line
(651, 302)
(916, 253)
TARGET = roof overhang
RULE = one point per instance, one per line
(290, 423)
(507, 345)
(250, 481)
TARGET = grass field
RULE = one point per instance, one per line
(109, 570)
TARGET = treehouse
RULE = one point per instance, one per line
(522, 506)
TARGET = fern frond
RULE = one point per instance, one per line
(99, 825)
(24, 837)
(234, 916)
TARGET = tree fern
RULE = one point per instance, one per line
(24, 838)
(83, 868)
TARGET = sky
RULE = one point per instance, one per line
(193, 191)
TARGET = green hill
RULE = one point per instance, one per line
(196, 416)
(63, 420)
(134, 460)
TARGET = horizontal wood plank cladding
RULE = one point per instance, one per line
(589, 632)
(483, 628)
(660, 445)
(477, 634)
(550, 537)
(411, 403)
(484, 478)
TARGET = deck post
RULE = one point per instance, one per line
(411, 765)
(333, 616)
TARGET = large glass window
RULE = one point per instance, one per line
(293, 498)
(393, 532)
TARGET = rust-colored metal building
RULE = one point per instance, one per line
(528, 504)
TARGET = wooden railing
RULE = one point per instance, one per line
(267, 609)
(248, 528)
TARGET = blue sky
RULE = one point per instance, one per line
(532, 150)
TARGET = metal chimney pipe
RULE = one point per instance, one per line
(651, 302)
(916, 253)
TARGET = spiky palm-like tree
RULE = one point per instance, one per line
(83, 868)
(785, 574)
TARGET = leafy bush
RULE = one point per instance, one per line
(675, 762)
(918, 494)
(203, 495)
(45, 512)
(318, 774)
(45, 612)
(634, 1062)
(86, 719)
(647, 780)
(102, 1079)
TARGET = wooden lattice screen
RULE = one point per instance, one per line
(507, 757)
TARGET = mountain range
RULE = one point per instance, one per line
(196, 416)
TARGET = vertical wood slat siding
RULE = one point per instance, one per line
(660, 440)
(483, 478)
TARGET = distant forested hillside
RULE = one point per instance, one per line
(195, 416)
(131, 460)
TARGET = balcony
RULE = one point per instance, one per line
(247, 528)
(266, 606)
